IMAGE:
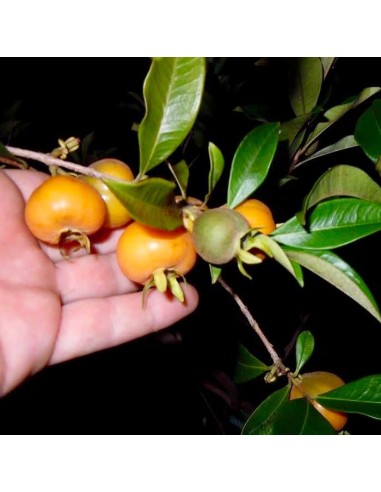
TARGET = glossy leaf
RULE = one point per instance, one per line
(337, 272)
(304, 348)
(337, 112)
(361, 396)
(347, 142)
(251, 162)
(262, 419)
(150, 201)
(368, 131)
(172, 93)
(306, 78)
(339, 181)
(277, 415)
(217, 164)
(327, 64)
(272, 248)
(332, 224)
(248, 366)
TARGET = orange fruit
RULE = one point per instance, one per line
(143, 250)
(116, 213)
(64, 204)
(258, 215)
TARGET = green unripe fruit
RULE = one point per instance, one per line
(217, 234)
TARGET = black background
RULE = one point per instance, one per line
(180, 381)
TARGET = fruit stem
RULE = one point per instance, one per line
(253, 323)
(49, 160)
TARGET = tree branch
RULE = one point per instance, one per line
(49, 160)
(253, 323)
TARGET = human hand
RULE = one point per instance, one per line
(53, 310)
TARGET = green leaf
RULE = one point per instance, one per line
(327, 64)
(262, 419)
(5, 153)
(248, 366)
(290, 129)
(347, 142)
(258, 112)
(215, 272)
(294, 149)
(368, 131)
(332, 224)
(341, 180)
(172, 93)
(181, 173)
(304, 348)
(272, 248)
(361, 396)
(337, 272)
(217, 164)
(251, 162)
(298, 272)
(299, 417)
(306, 78)
(150, 201)
(337, 112)
(277, 415)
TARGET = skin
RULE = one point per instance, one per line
(53, 310)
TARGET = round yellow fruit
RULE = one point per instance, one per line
(116, 213)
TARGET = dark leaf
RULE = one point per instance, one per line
(172, 92)
(339, 181)
(251, 162)
(361, 396)
(327, 64)
(332, 224)
(368, 131)
(217, 164)
(248, 366)
(347, 142)
(181, 173)
(337, 272)
(337, 112)
(306, 78)
(304, 348)
(277, 415)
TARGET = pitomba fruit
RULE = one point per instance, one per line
(217, 235)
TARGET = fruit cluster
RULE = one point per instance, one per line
(65, 210)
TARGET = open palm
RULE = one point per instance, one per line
(51, 309)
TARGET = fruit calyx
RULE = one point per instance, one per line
(73, 240)
(164, 280)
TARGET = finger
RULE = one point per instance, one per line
(26, 181)
(90, 277)
(92, 325)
